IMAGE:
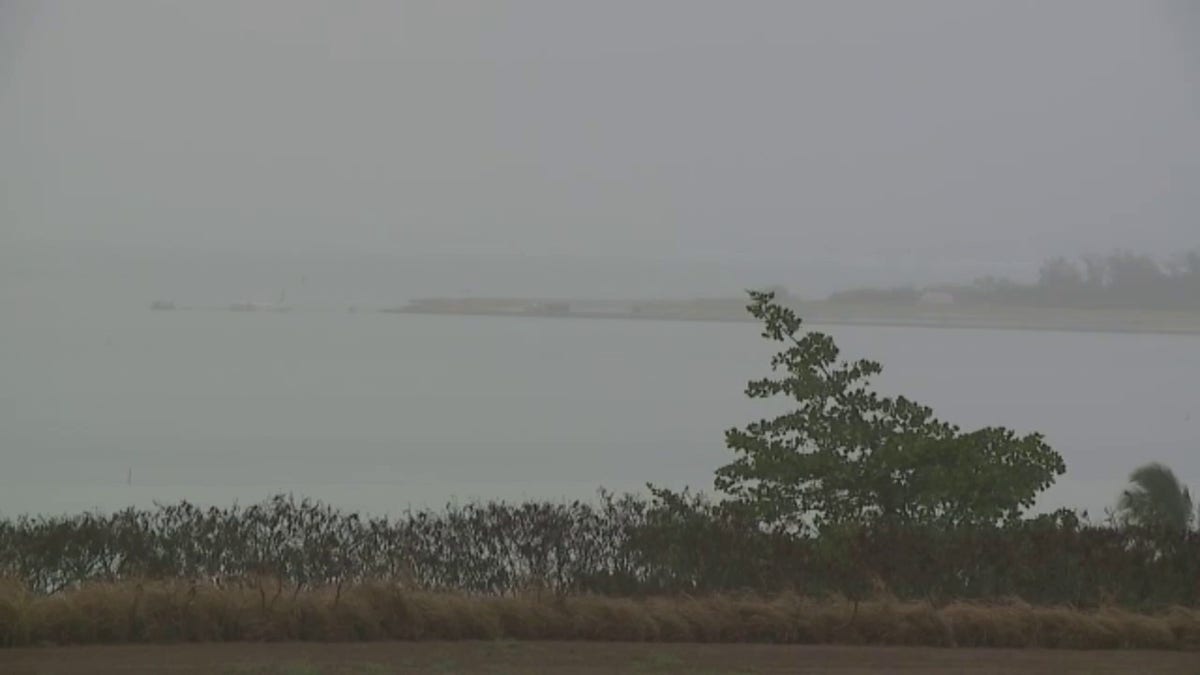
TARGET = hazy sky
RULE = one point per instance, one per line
(909, 135)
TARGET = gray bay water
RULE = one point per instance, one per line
(374, 412)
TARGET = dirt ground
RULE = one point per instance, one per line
(575, 658)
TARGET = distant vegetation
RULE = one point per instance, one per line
(1119, 280)
(853, 506)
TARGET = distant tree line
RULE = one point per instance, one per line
(1119, 280)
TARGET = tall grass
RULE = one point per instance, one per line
(625, 546)
(178, 611)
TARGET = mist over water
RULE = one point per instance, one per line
(362, 155)
(381, 412)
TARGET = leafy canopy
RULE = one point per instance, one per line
(1156, 499)
(847, 455)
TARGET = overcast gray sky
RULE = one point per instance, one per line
(922, 136)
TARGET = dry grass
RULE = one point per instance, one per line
(181, 612)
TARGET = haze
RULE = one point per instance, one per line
(437, 320)
(628, 148)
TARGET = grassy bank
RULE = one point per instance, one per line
(180, 612)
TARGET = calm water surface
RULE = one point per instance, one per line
(381, 412)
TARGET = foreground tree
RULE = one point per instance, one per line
(1155, 499)
(846, 455)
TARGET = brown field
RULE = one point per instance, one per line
(176, 612)
(575, 658)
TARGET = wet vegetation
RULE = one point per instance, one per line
(1120, 280)
(178, 611)
(617, 546)
(851, 500)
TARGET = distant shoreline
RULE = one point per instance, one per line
(1164, 322)
(732, 310)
